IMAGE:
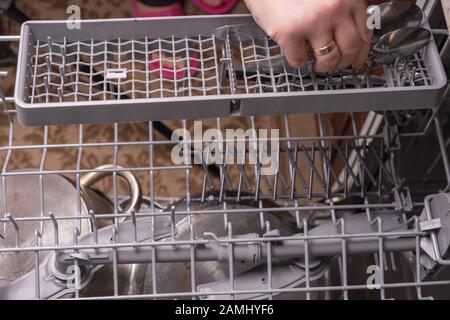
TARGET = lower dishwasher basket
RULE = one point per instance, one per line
(335, 222)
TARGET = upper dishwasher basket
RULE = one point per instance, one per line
(115, 71)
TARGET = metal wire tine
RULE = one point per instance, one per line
(293, 160)
(222, 183)
(225, 215)
(133, 221)
(225, 172)
(343, 256)
(347, 166)
(203, 194)
(283, 179)
(258, 182)
(263, 176)
(239, 188)
(207, 176)
(312, 164)
(298, 221)
(381, 257)
(275, 186)
(311, 176)
(76, 234)
(382, 166)
(60, 94)
(46, 86)
(192, 256)
(245, 177)
(77, 275)
(16, 230)
(240, 160)
(328, 163)
(55, 227)
(278, 174)
(269, 261)
(73, 81)
(49, 65)
(293, 173)
(172, 222)
(115, 266)
(94, 227)
(261, 214)
(50, 43)
(364, 166)
(363, 155)
(37, 235)
(62, 74)
(306, 249)
(231, 258)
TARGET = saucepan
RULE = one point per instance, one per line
(20, 199)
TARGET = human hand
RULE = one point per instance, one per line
(339, 25)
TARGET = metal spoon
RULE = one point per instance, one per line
(400, 44)
(397, 15)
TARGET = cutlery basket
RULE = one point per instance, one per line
(125, 70)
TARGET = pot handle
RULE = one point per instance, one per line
(90, 178)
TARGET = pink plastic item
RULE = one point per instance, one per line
(225, 7)
(175, 10)
(157, 69)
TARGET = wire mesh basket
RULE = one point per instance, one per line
(176, 68)
(336, 214)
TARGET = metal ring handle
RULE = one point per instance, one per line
(90, 178)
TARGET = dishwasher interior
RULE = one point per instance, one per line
(355, 213)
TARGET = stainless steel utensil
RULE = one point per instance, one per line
(22, 196)
(400, 44)
(397, 15)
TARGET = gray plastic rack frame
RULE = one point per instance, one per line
(124, 70)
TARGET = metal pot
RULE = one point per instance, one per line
(60, 197)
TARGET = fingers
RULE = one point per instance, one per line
(361, 58)
(348, 40)
(295, 51)
(328, 62)
(360, 17)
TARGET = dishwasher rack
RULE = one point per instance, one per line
(93, 74)
(335, 221)
(310, 195)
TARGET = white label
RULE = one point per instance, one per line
(116, 74)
